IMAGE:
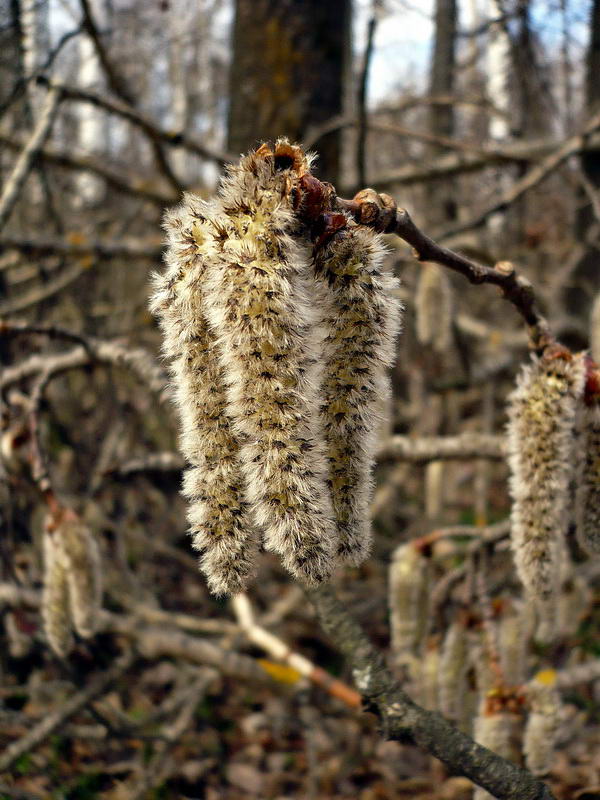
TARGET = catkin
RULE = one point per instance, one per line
(408, 599)
(55, 599)
(543, 722)
(595, 329)
(77, 550)
(453, 671)
(218, 512)
(261, 311)
(361, 322)
(514, 630)
(542, 415)
(433, 307)
(498, 731)
(587, 497)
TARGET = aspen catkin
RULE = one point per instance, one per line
(453, 670)
(218, 511)
(361, 324)
(542, 412)
(499, 731)
(408, 599)
(433, 307)
(259, 305)
(78, 553)
(587, 497)
(543, 722)
(55, 599)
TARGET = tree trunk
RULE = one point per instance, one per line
(288, 72)
(441, 203)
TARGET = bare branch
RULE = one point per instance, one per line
(464, 446)
(40, 732)
(25, 161)
(402, 719)
(144, 123)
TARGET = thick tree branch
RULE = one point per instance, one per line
(404, 720)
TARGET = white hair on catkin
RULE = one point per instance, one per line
(541, 436)
(218, 512)
(454, 665)
(260, 305)
(587, 497)
(361, 323)
(56, 614)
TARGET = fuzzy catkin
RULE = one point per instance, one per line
(408, 599)
(260, 307)
(543, 722)
(77, 551)
(514, 630)
(361, 323)
(55, 599)
(433, 307)
(587, 497)
(541, 428)
(498, 731)
(218, 511)
(453, 670)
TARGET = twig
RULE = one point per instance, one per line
(119, 180)
(40, 293)
(282, 652)
(379, 211)
(139, 361)
(463, 446)
(119, 86)
(25, 161)
(361, 141)
(135, 117)
(530, 180)
(403, 720)
(43, 729)
(76, 244)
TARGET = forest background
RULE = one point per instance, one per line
(480, 118)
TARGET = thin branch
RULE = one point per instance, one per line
(403, 720)
(379, 211)
(119, 86)
(131, 185)
(76, 244)
(464, 446)
(43, 729)
(278, 649)
(141, 121)
(361, 140)
(531, 179)
(25, 161)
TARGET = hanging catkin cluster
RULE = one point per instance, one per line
(541, 439)
(587, 497)
(278, 349)
(72, 593)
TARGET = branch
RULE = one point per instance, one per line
(25, 161)
(135, 117)
(119, 86)
(436, 448)
(40, 732)
(404, 720)
(137, 187)
(282, 652)
(76, 244)
(532, 179)
(379, 212)
(139, 361)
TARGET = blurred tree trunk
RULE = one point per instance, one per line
(288, 72)
(440, 194)
(585, 282)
